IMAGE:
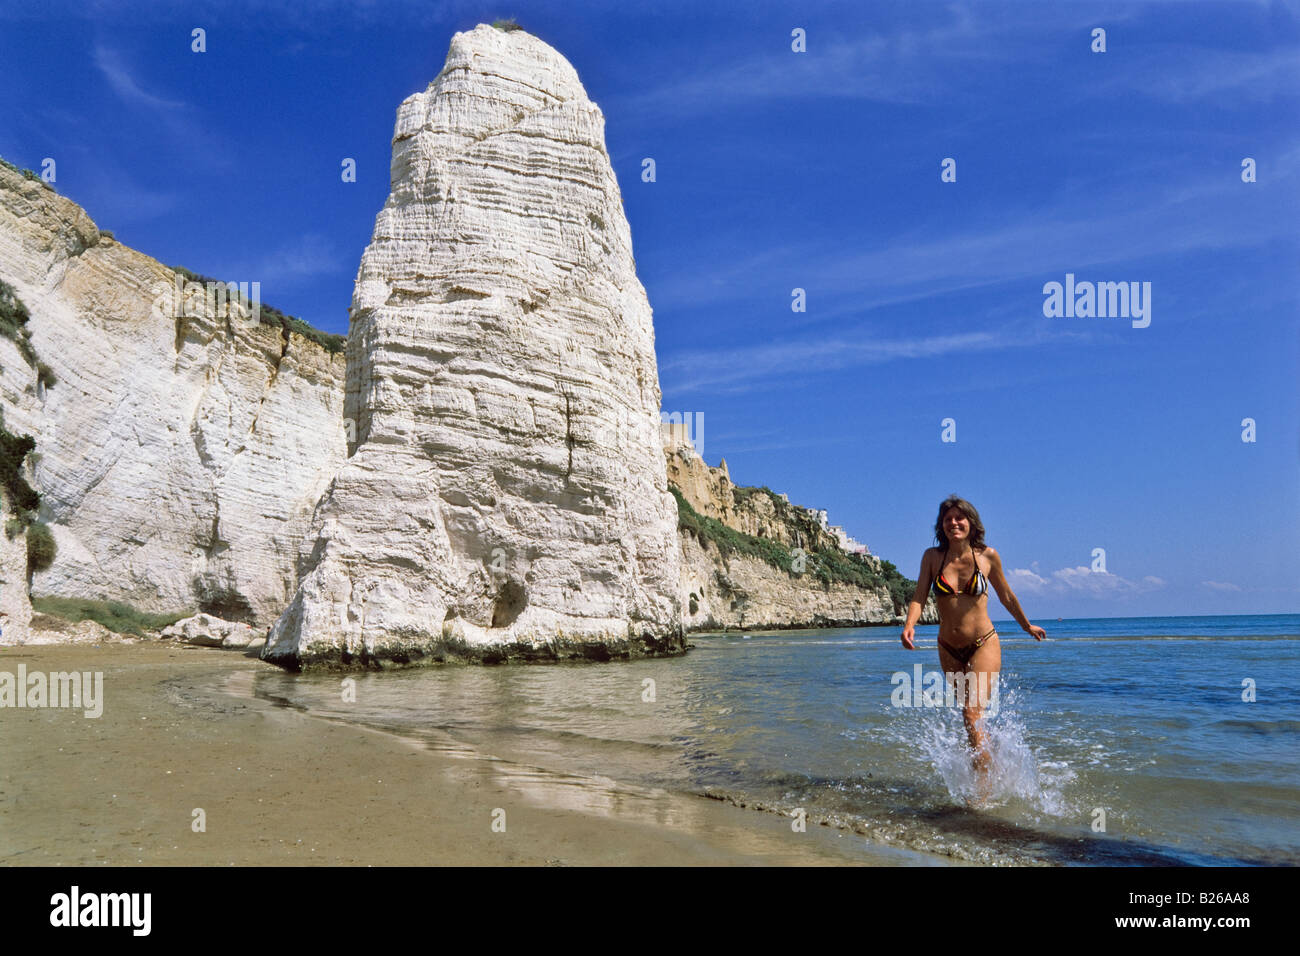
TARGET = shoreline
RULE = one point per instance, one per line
(181, 732)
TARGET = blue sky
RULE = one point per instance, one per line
(820, 170)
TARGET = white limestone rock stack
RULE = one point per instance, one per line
(179, 457)
(506, 497)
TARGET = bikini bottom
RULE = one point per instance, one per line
(964, 654)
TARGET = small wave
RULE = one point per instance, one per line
(1266, 727)
(897, 816)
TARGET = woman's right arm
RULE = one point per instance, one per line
(917, 605)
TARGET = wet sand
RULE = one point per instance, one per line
(180, 731)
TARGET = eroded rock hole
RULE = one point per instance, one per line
(510, 603)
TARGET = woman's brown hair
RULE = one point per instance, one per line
(973, 516)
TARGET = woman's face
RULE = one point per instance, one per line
(955, 524)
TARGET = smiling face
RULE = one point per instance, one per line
(956, 521)
(955, 524)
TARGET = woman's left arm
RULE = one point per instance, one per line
(1008, 597)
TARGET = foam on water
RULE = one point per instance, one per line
(1019, 776)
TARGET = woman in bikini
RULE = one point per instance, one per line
(968, 642)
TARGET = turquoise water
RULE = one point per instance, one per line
(1140, 719)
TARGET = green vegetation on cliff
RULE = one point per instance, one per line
(729, 540)
(41, 549)
(21, 497)
(266, 315)
(838, 566)
(13, 322)
(743, 493)
(826, 565)
(13, 326)
(25, 173)
(114, 615)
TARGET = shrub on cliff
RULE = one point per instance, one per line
(507, 25)
(834, 565)
(20, 496)
(13, 321)
(29, 174)
(12, 311)
(900, 586)
(742, 493)
(41, 548)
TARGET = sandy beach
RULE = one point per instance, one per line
(278, 786)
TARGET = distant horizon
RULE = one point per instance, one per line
(1135, 617)
(996, 620)
(822, 297)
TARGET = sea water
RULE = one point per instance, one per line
(1118, 741)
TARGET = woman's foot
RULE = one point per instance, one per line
(982, 768)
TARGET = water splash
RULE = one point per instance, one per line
(1019, 777)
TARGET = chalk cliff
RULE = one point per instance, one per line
(181, 448)
(506, 497)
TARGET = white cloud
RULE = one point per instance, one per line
(171, 123)
(309, 255)
(124, 84)
(1183, 74)
(746, 368)
(1081, 581)
(912, 64)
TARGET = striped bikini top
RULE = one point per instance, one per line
(978, 585)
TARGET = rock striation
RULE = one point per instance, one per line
(506, 495)
(182, 448)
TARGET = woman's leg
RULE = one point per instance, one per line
(981, 684)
